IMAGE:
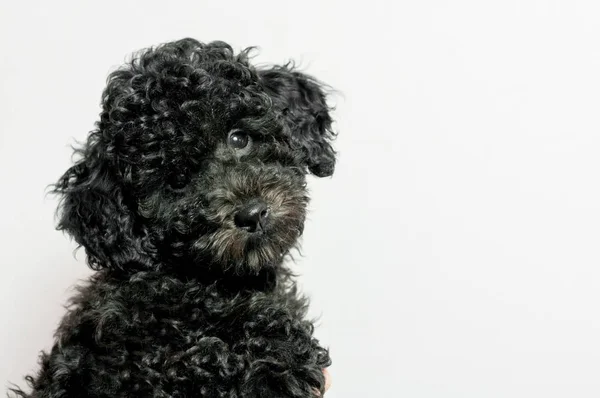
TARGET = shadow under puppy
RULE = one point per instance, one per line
(187, 197)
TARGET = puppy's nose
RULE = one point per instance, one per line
(253, 216)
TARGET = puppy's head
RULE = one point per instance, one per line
(198, 158)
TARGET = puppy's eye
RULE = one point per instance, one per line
(178, 180)
(239, 140)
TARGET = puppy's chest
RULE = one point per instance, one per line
(184, 338)
(188, 316)
(183, 320)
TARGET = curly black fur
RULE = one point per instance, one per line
(184, 303)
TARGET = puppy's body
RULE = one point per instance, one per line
(152, 335)
(187, 198)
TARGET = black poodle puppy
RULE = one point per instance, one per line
(187, 197)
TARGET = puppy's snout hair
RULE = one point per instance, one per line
(284, 195)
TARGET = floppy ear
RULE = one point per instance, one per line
(93, 211)
(300, 101)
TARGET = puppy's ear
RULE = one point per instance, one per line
(93, 211)
(300, 102)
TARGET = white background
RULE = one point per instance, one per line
(455, 253)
